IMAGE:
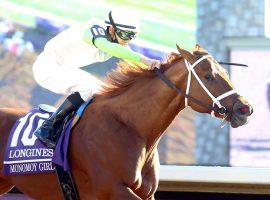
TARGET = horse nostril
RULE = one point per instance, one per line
(243, 110)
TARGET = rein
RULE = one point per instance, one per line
(216, 100)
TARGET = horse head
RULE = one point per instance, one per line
(208, 89)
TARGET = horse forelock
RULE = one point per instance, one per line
(199, 53)
(126, 74)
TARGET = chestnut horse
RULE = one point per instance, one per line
(113, 148)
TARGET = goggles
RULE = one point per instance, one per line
(125, 35)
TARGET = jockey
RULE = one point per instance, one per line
(57, 68)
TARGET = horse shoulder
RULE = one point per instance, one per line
(108, 144)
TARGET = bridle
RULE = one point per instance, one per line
(216, 107)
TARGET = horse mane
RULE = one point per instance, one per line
(118, 80)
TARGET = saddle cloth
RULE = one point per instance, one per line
(25, 154)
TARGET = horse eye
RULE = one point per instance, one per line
(208, 77)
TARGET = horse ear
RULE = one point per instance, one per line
(198, 48)
(186, 54)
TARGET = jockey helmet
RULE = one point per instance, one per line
(123, 19)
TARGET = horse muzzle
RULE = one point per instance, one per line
(240, 113)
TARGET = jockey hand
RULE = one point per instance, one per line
(151, 63)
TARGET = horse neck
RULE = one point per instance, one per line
(149, 106)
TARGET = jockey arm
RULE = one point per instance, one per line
(117, 50)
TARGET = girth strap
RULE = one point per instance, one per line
(66, 183)
(65, 178)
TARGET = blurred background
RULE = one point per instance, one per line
(236, 31)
